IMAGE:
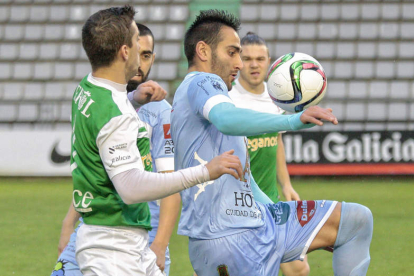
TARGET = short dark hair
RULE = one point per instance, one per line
(252, 39)
(144, 31)
(105, 32)
(206, 27)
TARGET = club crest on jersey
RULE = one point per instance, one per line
(222, 270)
(59, 269)
(167, 131)
(216, 85)
(280, 212)
(305, 209)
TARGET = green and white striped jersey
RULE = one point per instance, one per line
(108, 138)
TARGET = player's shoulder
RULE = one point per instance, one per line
(208, 81)
(157, 107)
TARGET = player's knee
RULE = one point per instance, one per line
(356, 221)
(304, 271)
(296, 268)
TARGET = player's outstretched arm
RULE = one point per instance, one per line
(149, 91)
(132, 185)
(315, 115)
(68, 225)
(231, 120)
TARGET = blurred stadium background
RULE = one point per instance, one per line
(366, 48)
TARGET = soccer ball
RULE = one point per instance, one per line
(296, 81)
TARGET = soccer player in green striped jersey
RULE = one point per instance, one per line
(267, 155)
(110, 154)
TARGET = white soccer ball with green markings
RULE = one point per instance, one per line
(296, 81)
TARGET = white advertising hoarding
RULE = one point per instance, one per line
(35, 153)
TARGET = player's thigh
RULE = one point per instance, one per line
(306, 219)
(238, 254)
(326, 237)
(296, 268)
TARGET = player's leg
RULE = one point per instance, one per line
(105, 250)
(242, 253)
(66, 263)
(296, 268)
(349, 230)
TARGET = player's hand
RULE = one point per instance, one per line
(289, 193)
(226, 163)
(315, 115)
(149, 91)
(160, 253)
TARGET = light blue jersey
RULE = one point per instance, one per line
(216, 208)
(157, 117)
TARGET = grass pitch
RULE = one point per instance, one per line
(32, 211)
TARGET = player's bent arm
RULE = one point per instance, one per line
(132, 185)
(68, 225)
(258, 193)
(283, 177)
(146, 92)
(235, 121)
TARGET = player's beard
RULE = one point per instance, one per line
(219, 68)
(133, 84)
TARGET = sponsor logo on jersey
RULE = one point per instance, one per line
(280, 212)
(117, 147)
(305, 209)
(57, 157)
(119, 158)
(167, 131)
(223, 270)
(258, 143)
(81, 201)
(169, 146)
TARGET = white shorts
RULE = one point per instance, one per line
(115, 251)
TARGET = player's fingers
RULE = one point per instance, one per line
(229, 152)
(159, 94)
(237, 166)
(313, 120)
(230, 171)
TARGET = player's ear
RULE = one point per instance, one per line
(203, 51)
(123, 52)
(153, 57)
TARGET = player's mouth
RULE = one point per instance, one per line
(255, 74)
(233, 77)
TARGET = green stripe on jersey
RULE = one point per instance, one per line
(94, 195)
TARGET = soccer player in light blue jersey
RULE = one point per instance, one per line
(157, 117)
(235, 229)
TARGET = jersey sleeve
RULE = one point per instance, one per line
(117, 143)
(206, 91)
(162, 144)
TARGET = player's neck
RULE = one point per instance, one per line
(254, 89)
(110, 73)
